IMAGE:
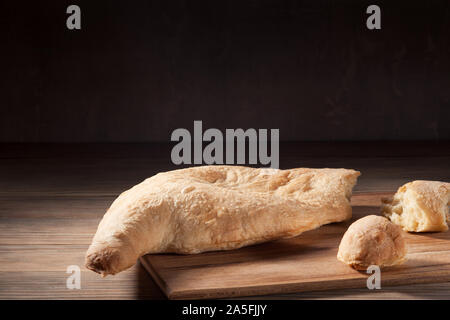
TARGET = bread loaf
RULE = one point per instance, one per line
(209, 208)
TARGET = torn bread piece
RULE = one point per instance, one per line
(210, 208)
(372, 240)
(419, 206)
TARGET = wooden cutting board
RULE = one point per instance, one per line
(305, 263)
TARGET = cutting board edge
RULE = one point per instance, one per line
(286, 288)
(159, 281)
(442, 275)
(261, 290)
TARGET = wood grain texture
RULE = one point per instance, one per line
(53, 196)
(144, 68)
(305, 263)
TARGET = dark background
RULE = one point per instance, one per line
(140, 69)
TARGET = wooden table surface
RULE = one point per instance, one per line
(52, 197)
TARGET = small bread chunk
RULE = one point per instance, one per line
(372, 240)
(419, 206)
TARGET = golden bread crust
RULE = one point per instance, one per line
(209, 208)
(372, 240)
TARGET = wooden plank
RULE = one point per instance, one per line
(135, 283)
(38, 271)
(409, 292)
(52, 197)
(304, 263)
